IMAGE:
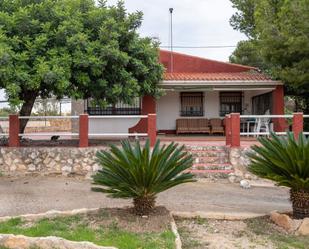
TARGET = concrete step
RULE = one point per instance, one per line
(214, 174)
(212, 166)
(226, 171)
(210, 159)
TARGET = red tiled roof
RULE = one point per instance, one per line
(238, 76)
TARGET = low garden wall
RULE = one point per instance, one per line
(74, 161)
(49, 161)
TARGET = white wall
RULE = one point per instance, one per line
(168, 110)
(168, 107)
(111, 125)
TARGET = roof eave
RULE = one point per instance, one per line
(220, 83)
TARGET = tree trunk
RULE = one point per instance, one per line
(144, 205)
(29, 99)
(300, 203)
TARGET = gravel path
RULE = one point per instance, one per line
(40, 194)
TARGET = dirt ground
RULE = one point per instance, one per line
(39, 194)
(259, 233)
(158, 221)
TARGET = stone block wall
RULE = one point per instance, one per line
(49, 161)
(73, 161)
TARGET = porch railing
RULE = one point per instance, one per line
(279, 122)
(83, 130)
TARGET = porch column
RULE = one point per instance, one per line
(278, 108)
(148, 106)
(298, 124)
(235, 129)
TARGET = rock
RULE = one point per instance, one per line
(31, 167)
(23, 242)
(248, 176)
(232, 179)
(245, 184)
(282, 220)
(304, 227)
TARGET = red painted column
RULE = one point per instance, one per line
(148, 106)
(235, 129)
(14, 131)
(83, 130)
(298, 124)
(278, 108)
(227, 130)
(152, 128)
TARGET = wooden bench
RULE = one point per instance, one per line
(200, 125)
(196, 125)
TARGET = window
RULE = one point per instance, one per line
(230, 102)
(261, 103)
(117, 109)
(191, 104)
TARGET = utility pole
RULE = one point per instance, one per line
(171, 40)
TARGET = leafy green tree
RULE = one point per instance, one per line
(247, 53)
(243, 20)
(280, 30)
(74, 48)
(285, 161)
(139, 173)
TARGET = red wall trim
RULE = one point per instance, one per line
(148, 106)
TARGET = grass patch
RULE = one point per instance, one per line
(101, 229)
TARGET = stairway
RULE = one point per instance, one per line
(210, 161)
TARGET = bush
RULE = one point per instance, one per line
(285, 160)
(141, 173)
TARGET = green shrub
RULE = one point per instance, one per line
(141, 173)
(285, 160)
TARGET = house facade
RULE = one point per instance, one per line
(194, 88)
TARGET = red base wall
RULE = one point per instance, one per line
(148, 106)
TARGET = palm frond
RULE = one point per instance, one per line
(133, 171)
(284, 160)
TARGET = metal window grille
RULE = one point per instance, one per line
(230, 102)
(192, 104)
(261, 103)
(116, 109)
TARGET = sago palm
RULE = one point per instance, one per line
(141, 173)
(285, 160)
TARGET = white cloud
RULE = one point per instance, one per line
(196, 23)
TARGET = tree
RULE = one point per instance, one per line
(74, 48)
(243, 19)
(247, 53)
(139, 173)
(280, 30)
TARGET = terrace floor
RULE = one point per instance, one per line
(200, 140)
(197, 140)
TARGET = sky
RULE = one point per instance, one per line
(195, 23)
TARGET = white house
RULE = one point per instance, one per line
(195, 88)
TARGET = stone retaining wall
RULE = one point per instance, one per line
(49, 161)
(75, 161)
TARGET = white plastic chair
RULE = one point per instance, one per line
(262, 124)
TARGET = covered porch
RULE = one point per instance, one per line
(202, 104)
